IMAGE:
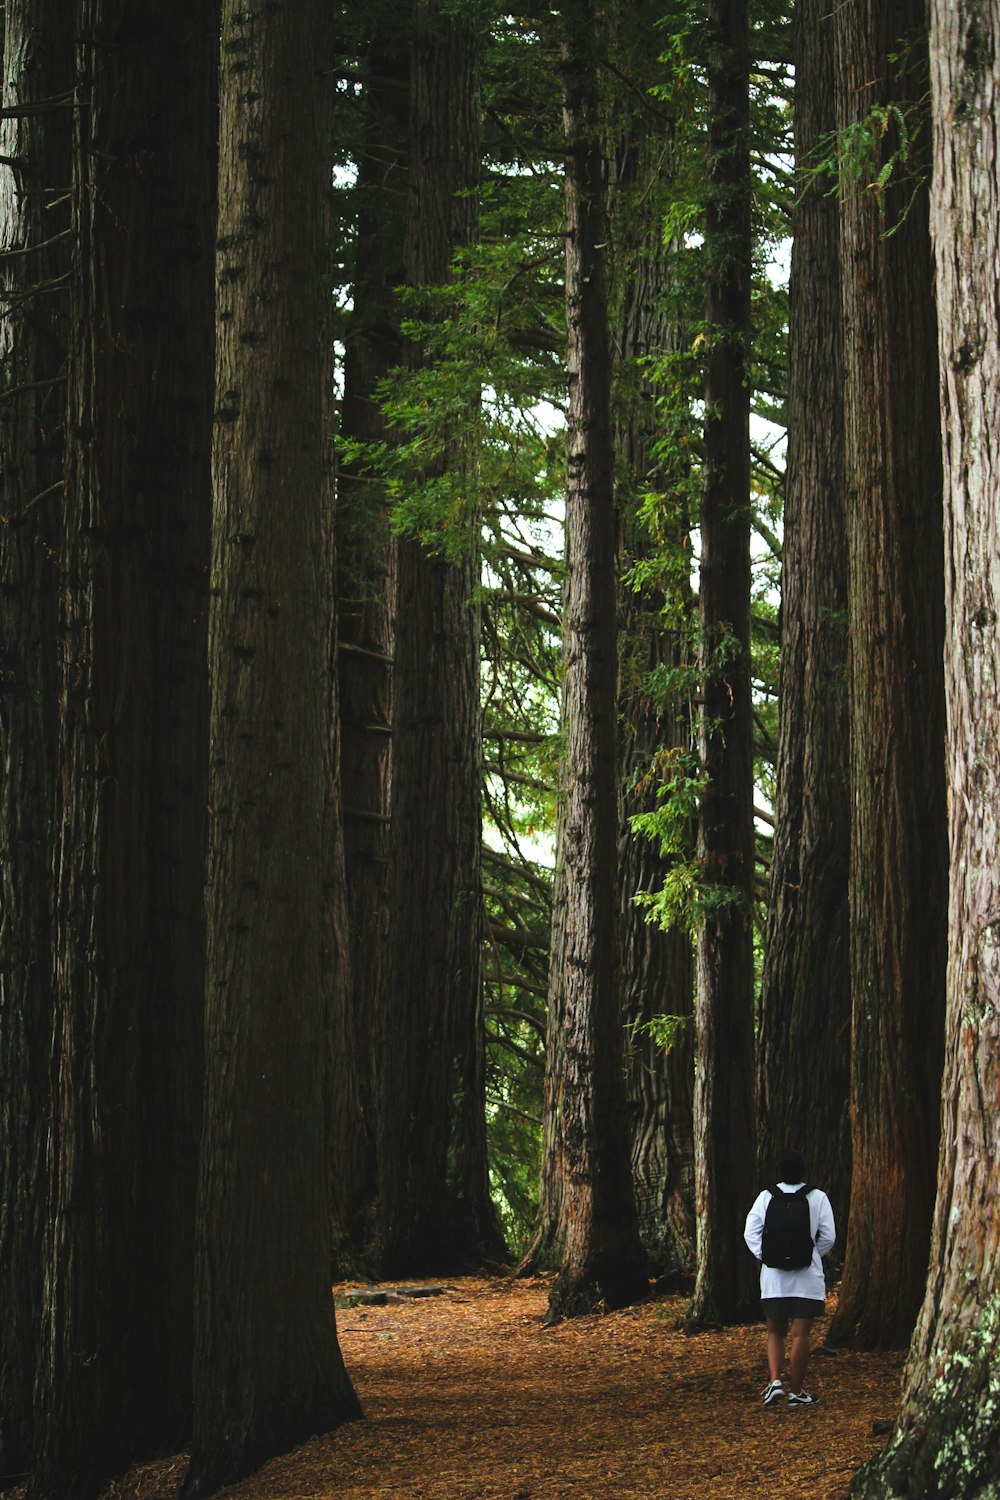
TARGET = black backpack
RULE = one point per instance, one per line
(787, 1244)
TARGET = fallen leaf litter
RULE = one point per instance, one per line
(468, 1396)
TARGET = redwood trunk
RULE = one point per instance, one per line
(805, 1006)
(587, 1212)
(947, 1439)
(114, 1372)
(268, 1371)
(899, 858)
(656, 964)
(37, 65)
(435, 1206)
(723, 1098)
(366, 558)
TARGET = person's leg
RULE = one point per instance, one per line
(777, 1329)
(798, 1354)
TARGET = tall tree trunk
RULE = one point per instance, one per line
(268, 1369)
(656, 964)
(37, 54)
(723, 1098)
(899, 858)
(366, 559)
(803, 1076)
(587, 1212)
(435, 1205)
(114, 1377)
(947, 1438)
(657, 979)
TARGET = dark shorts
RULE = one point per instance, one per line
(778, 1308)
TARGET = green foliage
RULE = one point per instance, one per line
(687, 900)
(678, 782)
(518, 902)
(664, 1030)
(886, 151)
(877, 153)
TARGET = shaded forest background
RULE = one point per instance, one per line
(498, 678)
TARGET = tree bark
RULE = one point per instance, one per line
(268, 1369)
(899, 858)
(723, 1097)
(947, 1438)
(114, 1360)
(587, 1211)
(436, 1212)
(37, 55)
(366, 555)
(656, 974)
(803, 1071)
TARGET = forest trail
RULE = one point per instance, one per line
(469, 1397)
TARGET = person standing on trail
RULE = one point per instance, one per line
(789, 1229)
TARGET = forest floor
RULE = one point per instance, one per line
(468, 1396)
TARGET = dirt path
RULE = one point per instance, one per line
(468, 1397)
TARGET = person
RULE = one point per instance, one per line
(791, 1299)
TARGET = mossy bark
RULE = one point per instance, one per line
(947, 1439)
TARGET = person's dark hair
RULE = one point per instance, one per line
(792, 1167)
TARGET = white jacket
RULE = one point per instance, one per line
(810, 1281)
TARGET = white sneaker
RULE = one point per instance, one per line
(774, 1392)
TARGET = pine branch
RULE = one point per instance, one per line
(515, 1047)
(7, 253)
(517, 1015)
(39, 107)
(31, 385)
(512, 1109)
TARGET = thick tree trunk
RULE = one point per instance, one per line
(657, 979)
(434, 1190)
(899, 859)
(656, 974)
(803, 1072)
(366, 557)
(114, 1377)
(723, 1097)
(268, 1369)
(947, 1439)
(587, 1211)
(37, 55)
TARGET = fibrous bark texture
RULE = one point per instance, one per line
(114, 1358)
(899, 857)
(947, 1439)
(434, 1190)
(656, 974)
(366, 571)
(268, 1371)
(587, 1210)
(723, 1095)
(803, 1076)
(37, 66)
